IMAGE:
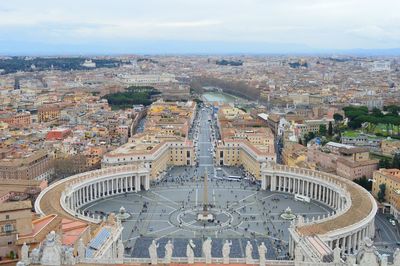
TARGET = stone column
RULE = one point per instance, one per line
(308, 189)
(137, 183)
(349, 243)
(147, 182)
(343, 246)
(329, 197)
(273, 182)
(284, 183)
(279, 183)
(85, 194)
(312, 189)
(91, 188)
(355, 244)
(264, 182)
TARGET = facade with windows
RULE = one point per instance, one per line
(15, 218)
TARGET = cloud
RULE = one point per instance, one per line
(315, 23)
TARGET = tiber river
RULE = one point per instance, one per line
(219, 97)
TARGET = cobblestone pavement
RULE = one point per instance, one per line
(252, 214)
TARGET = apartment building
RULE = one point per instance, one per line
(154, 152)
(15, 218)
(48, 113)
(165, 142)
(37, 165)
(390, 146)
(347, 161)
(244, 141)
(20, 119)
(390, 177)
(311, 126)
(294, 154)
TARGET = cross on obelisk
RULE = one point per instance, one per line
(205, 196)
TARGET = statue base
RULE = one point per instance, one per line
(205, 217)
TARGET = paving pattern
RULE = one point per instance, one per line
(256, 216)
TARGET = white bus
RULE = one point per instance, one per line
(301, 198)
(233, 178)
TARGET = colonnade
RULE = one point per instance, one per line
(350, 243)
(312, 188)
(96, 188)
(328, 190)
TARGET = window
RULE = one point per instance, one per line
(7, 217)
(8, 228)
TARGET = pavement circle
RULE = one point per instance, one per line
(187, 219)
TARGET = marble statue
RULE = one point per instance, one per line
(69, 256)
(226, 250)
(52, 250)
(336, 254)
(120, 249)
(25, 253)
(153, 252)
(367, 254)
(35, 256)
(262, 251)
(207, 250)
(396, 257)
(249, 251)
(169, 248)
(81, 249)
(190, 251)
(351, 260)
(384, 260)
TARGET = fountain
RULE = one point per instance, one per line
(288, 214)
(123, 215)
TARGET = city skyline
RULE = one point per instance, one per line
(206, 27)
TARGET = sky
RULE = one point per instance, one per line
(196, 26)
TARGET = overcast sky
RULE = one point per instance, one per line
(27, 25)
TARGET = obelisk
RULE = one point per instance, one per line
(205, 215)
(205, 196)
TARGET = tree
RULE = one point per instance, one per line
(308, 137)
(337, 117)
(322, 130)
(396, 161)
(382, 192)
(384, 163)
(330, 129)
(363, 181)
(376, 112)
